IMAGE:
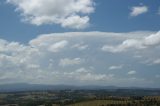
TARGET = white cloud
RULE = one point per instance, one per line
(131, 72)
(80, 46)
(70, 62)
(82, 70)
(137, 10)
(67, 13)
(115, 67)
(152, 40)
(151, 61)
(76, 22)
(143, 43)
(54, 58)
(127, 44)
(157, 61)
(83, 74)
(58, 46)
(96, 77)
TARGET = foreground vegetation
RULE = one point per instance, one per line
(82, 98)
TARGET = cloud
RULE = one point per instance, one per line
(76, 58)
(83, 74)
(70, 62)
(58, 46)
(157, 61)
(76, 22)
(131, 72)
(138, 10)
(80, 46)
(127, 44)
(115, 67)
(152, 40)
(68, 13)
(152, 61)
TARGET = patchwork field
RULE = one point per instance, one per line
(146, 101)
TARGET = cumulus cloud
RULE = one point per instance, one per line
(131, 72)
(115, 67)
(143, 43)
(83, 74)
(62, 58)
(67, 13)
(137, 10)
(70, 62)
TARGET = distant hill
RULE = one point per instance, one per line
(39, 87)
(31, 87)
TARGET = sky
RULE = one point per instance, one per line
(80, 42)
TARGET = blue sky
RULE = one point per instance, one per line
(109, 16)
(99, 42)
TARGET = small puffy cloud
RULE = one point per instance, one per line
(143, 43)
(70, 62)
(116, 67)
(131, 72)
(137, 10)
(67, 13)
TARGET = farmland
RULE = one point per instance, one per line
(108, 97)
(150, 101)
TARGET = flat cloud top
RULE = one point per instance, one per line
(83, 58)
